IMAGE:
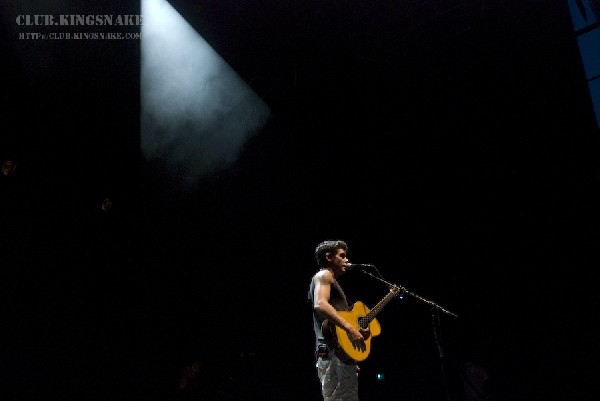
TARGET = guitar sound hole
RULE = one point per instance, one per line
(363, 323)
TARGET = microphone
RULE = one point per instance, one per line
(353, 266)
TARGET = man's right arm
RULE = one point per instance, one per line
(323, 282)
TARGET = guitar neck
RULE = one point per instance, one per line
(377, 308)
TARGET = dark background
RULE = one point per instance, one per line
(452, 144)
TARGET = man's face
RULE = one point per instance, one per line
(339, 261)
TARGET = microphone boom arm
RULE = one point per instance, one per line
(412, 294)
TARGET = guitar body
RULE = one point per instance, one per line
(337, 338)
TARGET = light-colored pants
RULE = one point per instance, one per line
(339, 382)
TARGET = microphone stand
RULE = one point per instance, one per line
(435, 309)
(404, 291)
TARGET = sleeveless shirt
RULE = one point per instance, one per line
(337, 299)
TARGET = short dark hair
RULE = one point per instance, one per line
(328, 246)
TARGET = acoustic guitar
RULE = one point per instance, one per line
(363, 319)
